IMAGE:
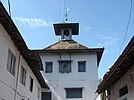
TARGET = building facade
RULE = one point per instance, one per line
(20, 77)
(70, 69)
(119, 81)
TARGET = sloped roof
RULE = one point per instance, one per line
(71, 46)
(66, 44)
(73, 26)
(119, 68)
(32, 58)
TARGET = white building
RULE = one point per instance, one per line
(119, 81)
(20, 78)
(70, 69)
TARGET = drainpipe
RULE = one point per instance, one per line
(17, 78)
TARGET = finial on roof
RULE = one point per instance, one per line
(66, 15)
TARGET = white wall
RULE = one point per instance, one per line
(7, 80)
(87, 80)
(24, 90)
(125, 80)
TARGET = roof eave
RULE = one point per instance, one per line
(99, 51)
(119, 68)
(32, 58)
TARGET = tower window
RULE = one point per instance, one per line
(66, 32)
(46, 96)
(73, 92)
(48, 67)
(81, 66)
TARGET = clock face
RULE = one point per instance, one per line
(65, 67)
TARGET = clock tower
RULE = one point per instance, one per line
(70, 68)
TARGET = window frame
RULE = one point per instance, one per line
(79, 67)
(38, 92)
(11, 62)
(123, 91)
(46, 95)
(47, 67)
(69, 94)
(23, 76)
(31, 84)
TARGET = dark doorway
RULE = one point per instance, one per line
(46, 95)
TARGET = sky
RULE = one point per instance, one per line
(102, 23)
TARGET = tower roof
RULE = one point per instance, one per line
(66, 44)
(74, 26)
(71, 46)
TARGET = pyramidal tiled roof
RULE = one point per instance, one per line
(66, 44)
(70, 46)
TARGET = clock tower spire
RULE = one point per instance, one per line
(66, 29)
